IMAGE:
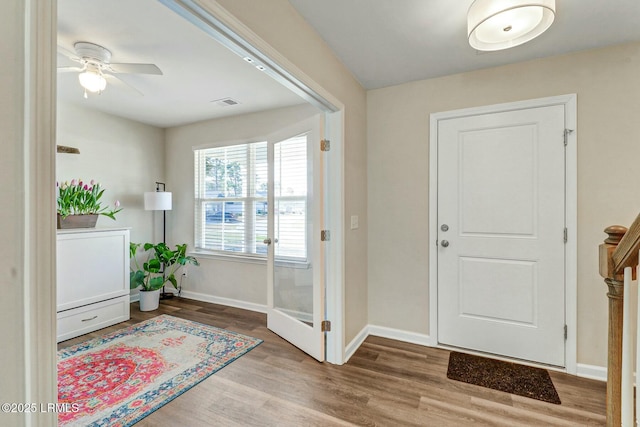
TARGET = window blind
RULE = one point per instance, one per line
(290, 197)
(231, 198)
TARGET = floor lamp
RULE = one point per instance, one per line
(160, 200)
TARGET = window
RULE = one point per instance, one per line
(231, 198)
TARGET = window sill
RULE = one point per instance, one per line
(245, 259)
(228, 257)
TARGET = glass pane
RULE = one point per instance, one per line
(290, 228)
(291, 169)
(225, 171)
(293, 271)
(224, 226)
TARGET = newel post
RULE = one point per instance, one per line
(616, 294)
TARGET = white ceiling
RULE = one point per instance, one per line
(196, 69)
(388, 42)
(382, 42)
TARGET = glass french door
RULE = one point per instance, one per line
(295, 261)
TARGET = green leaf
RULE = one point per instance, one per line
(173, 281)
(153, 266)
(133, 248)
(136, 279)
(156, 283)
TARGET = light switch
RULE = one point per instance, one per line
(354, 222)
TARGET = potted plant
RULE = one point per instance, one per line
(79, 204)
(161, 266)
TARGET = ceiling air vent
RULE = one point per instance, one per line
(225, 102)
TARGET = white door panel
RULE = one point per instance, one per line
(501, 194)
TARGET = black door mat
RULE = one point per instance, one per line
(509, 377)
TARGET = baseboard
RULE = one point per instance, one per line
(260, 308)
(400, 335)
(134, 297)
(356, 343)
(384, 332)
(592, 372)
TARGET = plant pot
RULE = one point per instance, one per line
(77, 221)
(149, 300)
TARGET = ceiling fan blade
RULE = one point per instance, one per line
(118, 82)
(70, 69)
(71, 55)
(127, 68)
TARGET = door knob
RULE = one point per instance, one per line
(444, 243)
(444, 227)
(267, 241)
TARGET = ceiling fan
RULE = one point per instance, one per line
(97, 67)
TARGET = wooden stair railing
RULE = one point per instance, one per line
(619, 250)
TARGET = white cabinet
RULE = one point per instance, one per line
(92, 280)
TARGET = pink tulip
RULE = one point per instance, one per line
(93, 183)
(117, 204)
(57, 184)
(81, 184)
(73, 182)
(86, 187)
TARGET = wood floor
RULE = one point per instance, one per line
(385, 383)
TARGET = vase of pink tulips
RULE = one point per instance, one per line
(79, 204)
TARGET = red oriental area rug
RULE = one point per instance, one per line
(120, 378)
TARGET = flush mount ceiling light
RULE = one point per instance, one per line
(501, 24)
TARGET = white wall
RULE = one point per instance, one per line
(606, 82)
(216, 277)
(125, 156)
(280, 25)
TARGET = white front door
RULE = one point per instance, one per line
(295, 262)
(501, 227)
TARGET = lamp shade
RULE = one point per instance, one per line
(157, 201)
(93, 81)
(501, 24)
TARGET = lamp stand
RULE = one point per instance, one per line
(163, 294)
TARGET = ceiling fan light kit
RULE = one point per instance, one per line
(501, 24)
(92, 80)
(97, 66)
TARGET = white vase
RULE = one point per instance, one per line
(149, 300)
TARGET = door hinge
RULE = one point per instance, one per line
(566, 235)
(325, 145)
(325, 235)
(325, 326)
(567, 132)
(565, 332)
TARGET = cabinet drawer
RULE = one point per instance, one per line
(89, 318)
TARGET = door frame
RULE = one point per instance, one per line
(228, 30)
(569, 101)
